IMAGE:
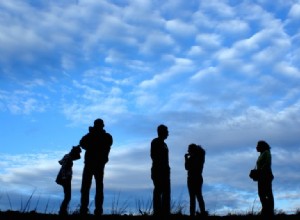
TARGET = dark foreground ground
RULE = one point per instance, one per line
(15, 215)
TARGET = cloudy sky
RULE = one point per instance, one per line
(220, 73)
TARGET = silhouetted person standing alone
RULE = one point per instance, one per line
(194, 162)
(96, 143)
(265, 179)
(160, 172)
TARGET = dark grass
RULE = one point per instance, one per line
(118, 211)
(16, 215)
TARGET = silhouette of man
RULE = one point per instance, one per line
(194, 162)
(96, 143)
(160, 172)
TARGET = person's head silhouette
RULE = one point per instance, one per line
(262, 146)
(162, 131)
(192, 149)
(98, 123)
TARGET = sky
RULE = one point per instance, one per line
(221, 73)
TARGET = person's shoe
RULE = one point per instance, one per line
(192, 215)
(98, 212)
(83, 211)
(63, 212)
(204, 214)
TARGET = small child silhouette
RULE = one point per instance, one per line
(64, 176)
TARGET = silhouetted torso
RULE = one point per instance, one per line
(194, 166)
(160, 157)
(97, 144)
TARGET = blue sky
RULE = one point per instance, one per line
(222, 74)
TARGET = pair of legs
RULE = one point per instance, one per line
(67, 198)
(87, 176)
(265, 194)
(161, 196)
(195, 192)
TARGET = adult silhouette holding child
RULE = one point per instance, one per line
(97, 144)
(194, 162)
(160, 172)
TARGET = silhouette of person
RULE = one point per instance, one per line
(194, 162)
(160, 172)
(97, 144)
(64, 177)
(265, 179)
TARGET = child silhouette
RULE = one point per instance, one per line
(64, 176)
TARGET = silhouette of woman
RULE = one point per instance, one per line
(265, 179)
(194, 162)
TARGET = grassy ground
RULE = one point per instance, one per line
(15, 215)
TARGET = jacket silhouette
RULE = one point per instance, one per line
(97, 144)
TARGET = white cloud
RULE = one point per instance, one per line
(217, 8)
(295, 11)
(114, 57)
(195, 51)
(180, 28)
(23, 101)
(180, 66)
(202, 73)
(209, 40)
(287, 69)
(94, 101)
(157, 42)
(234, 27)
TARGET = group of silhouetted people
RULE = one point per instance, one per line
(97, 144)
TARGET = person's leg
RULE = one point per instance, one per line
(269, 198)
(99, 197)
(199, 196)
(67, 198)
(85, 190)
(166, 197)
(192, 197)
(262, 196)
(157, 200)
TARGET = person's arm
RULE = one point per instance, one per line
(187, 161)
(84, 142)
(154, 151)
(108, 144)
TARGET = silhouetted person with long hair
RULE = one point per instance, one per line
(265, 179)
(97, 144)
(194, 162)
(64, 177)
(160, 172)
